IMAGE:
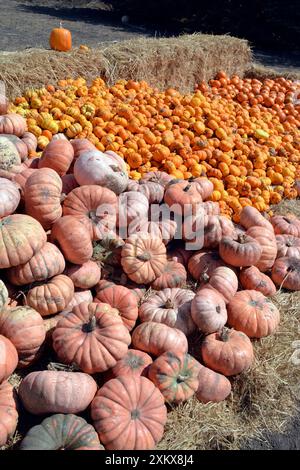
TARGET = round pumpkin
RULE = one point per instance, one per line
(287, 245)
(252, 313)
(21, 237)
(160, 177)
(227, 351)
(171, 307)
(21, 178)
(213, 387)
(42, 195)
(10, 159)
(62, 432)
(242, 250)
(24, 327)
(79, 297)
(8, 412)
(121, 299)
(133, 422)
(84, 276)
(183, 197)
(203, 263)
(252, 279)
(9, 197)
(133, 207)
(215, 228)
(50, 391)
(173, 275)
(286, 273)
(133, 364)
(143, 258)
(92, 336)
(74, 239)
(13, 124)
(205, 186)
(30, 141)
(267, 241)
(58, 155)
(208, 310)
(250, 217)
(51, 297)
(19, 144)
(45, 264)
(286, 225)
(157, 338)
(224, 280)
(8, 358)
(175, 375)
(80, 146)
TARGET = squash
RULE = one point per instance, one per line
(223, 280)
(203, 263)
(250, 217)
(132, 208)
(242, 250)
(267, 241)
(58, 155)
(208, 310)
(286, 273)
(286, 225)
(183, 198)
(84, 276)
(288, 246)
(9, 156)
(13, 124)
(134, 364)
(3, 295)
(60, 39)
(173, 275)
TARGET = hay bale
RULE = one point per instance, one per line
(260, 71)
(178, 62)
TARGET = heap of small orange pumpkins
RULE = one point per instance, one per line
(243, 134)
(117, 298)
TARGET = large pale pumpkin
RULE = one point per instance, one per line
(209, 310)
(46, 263)
(50, 391)
(9, 155)
(93, 337)
(8, 358)
(9, 197)
(58, 155)
(8, 412)
(133, 207)
(24, 327)
(13, 124)
(143, 258)
(43, 195)
(51, 297)
(129, 414)
(21, 237)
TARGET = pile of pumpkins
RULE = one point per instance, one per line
(119, 314)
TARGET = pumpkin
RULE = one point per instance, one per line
(154, 192)
(84, 276)
(252, 313)
(46, 263)
(175, 375)
(21, 237)
(68, 183)
(267, 241)
(3, 104)
(143, 258)
(288, 246)
(52, 297)
(205, 187)
(180, 255)
(183, 197)
(80, 146)
(164, 229)
(94, 167)
(242, 250)
(43, 195)
(171, 307)
(223, 280)
(250, 217)
(8, 358)
(20, 179)
(133, 207)
(13, 124)
(62, 432)
(286, 225)
(157, 338)
(9, 197)
(30, 141)
(285, 273)
(203, 263)
(3, 295)
(8, 412)
(92, 336)
(50, 391)
(58, 155)
(24, 327)
(74, 239)
(193, 230)
(79, 297)
(213, 387)
(133, 364)
(108, 250)
(9, 156)
(60, 39)
(227, 351)
(208, 310)
(173, 275)
(96, 205)
(252, 279)
(129, 414)
(157, 177)
(19, 144)
(211, 208)
(121, 299)
(216, 227)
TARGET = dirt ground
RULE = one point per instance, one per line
(25, 25)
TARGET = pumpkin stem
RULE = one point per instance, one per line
(187, 188)
(218, 309)
(90, 326)
(169, 304)
(144, 256)
(205, 277)
(224, 334)
(241, 238)
(180, 378)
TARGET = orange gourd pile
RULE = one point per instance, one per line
(243, 134)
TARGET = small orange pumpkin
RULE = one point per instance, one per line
(60, 39)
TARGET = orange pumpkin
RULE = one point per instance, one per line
(60, 39)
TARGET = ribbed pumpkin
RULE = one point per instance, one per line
(9, 197)
(51, 297)
(212, 387)
(42, 195)
(8, 358)
(58, 155)
(241, 250)
(8, 412)
(160, 177)
(132, 208)
(204, 262)
(288, 225)
(287, 245)
(164, 229)
(80, 146)
(30, 141)
(92, 336)
(252, 279)
(134, 363)
(13, 124)
(46, 263)
(24, 327)
(175, 375)
(21, 237)
(208, 310)
(62, 432)
(267, 242)
(224, 280)
(84, 276)
(129, 414)
(183, 197)
(173, 275)
(80, 296)
(286, 273)
(250, 217)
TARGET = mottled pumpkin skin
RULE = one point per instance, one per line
(58, 155)
(129, 414)
(173, 275)
(8, 358)
(134, 363)
(9, 197)
(213, 387)
(288, 225)
(267, 241)
(242, 250)
(84, 276)
(252, 217)
(181, 195)
(8, 412)
(252, 279)
(175, 375)
(62, 432)
(286, 273)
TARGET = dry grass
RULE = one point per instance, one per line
(261, 72)
(179, 62)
